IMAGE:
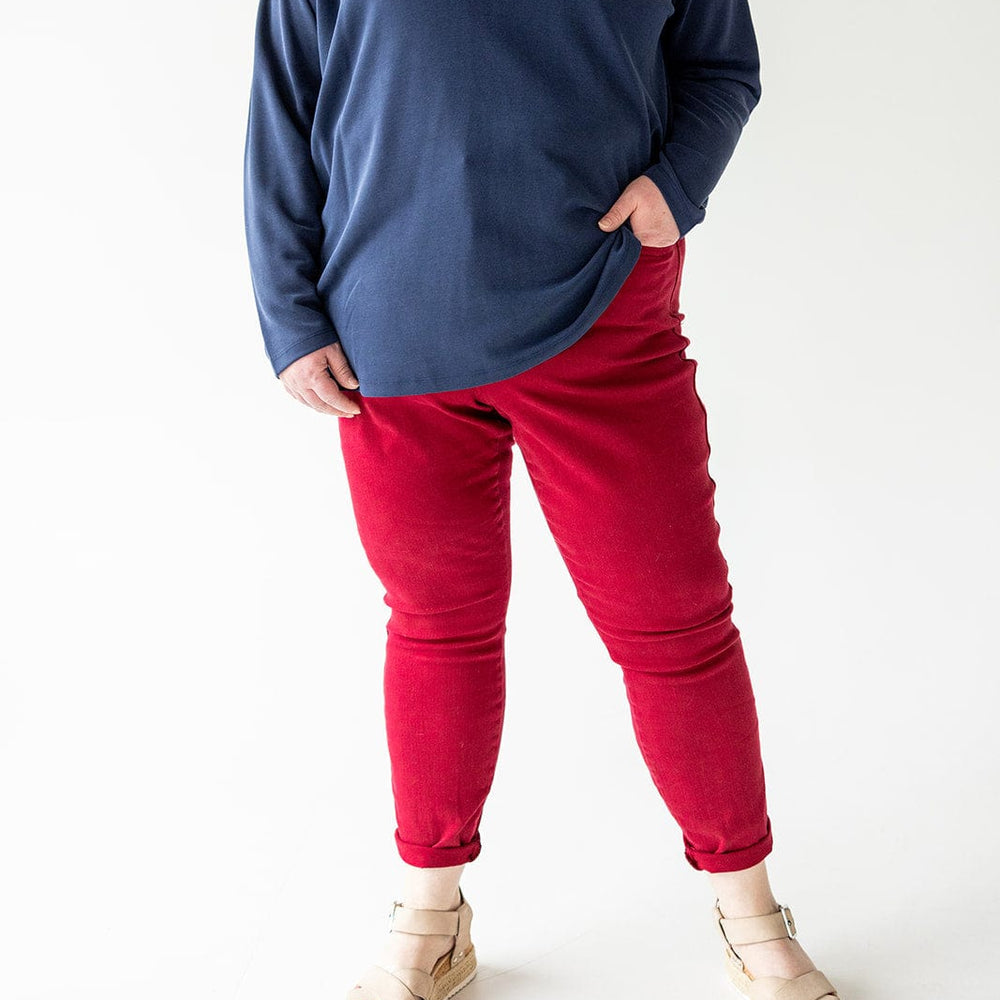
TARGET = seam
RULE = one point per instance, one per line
(674, 299)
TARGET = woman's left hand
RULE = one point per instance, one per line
(651, 219)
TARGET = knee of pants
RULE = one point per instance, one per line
(450, 616)
(670, 647)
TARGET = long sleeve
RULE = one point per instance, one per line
(282, 195)
(713, 72)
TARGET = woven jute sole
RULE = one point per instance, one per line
(457, 977)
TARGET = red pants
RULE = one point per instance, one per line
(613, 435)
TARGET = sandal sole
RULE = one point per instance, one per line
(456, 978)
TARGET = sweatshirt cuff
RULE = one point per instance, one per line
(281, 358)
(686, 214)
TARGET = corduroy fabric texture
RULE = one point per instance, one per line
(614, 436)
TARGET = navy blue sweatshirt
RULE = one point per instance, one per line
(423, 178)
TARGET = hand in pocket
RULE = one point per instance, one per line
(651, 219)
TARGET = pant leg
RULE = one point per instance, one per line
(614, 437)
(429, 477)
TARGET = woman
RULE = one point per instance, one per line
(467, 227)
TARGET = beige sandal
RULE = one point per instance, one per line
(452, 971)
(767, 927)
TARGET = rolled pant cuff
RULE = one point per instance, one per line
(437, 857)
(731, 861)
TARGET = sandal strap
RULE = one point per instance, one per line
(809, 986)
(414, 920)
(761, 927)
(455, 923)
(379, 983)
(410, 920)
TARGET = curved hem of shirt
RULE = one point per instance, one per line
(610, 281)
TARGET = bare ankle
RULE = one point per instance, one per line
(431, 888)
(744, 893)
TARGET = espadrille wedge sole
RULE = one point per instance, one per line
(767, 927)
(453, 970)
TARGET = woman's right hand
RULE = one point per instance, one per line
(315, 379)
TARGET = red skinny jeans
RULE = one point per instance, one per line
(613, 435)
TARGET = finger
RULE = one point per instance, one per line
(619, 211)
(311, 390)
(291, 392)
(314, 400)
(295, 392)
(298, 397)
(327, 390)
(339, 367)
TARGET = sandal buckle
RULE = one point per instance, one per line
(392, 914)
(786, 914)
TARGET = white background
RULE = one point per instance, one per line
(194, 783)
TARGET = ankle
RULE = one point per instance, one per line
(744, 893)
(431, 888)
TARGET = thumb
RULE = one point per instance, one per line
(337, 363)
(619, 211)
